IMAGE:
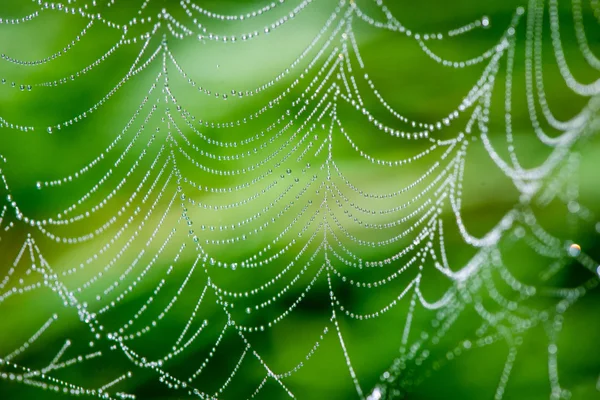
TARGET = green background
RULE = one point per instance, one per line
(411, 82)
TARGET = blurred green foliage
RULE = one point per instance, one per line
(410, 81)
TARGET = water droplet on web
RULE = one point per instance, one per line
(38, 185)
(574, 250)
(248, 310)
(573, 207)
(375, 394)
(485, 21)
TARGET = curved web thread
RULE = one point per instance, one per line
(234, 223)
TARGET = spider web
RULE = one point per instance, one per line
(228, 196)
